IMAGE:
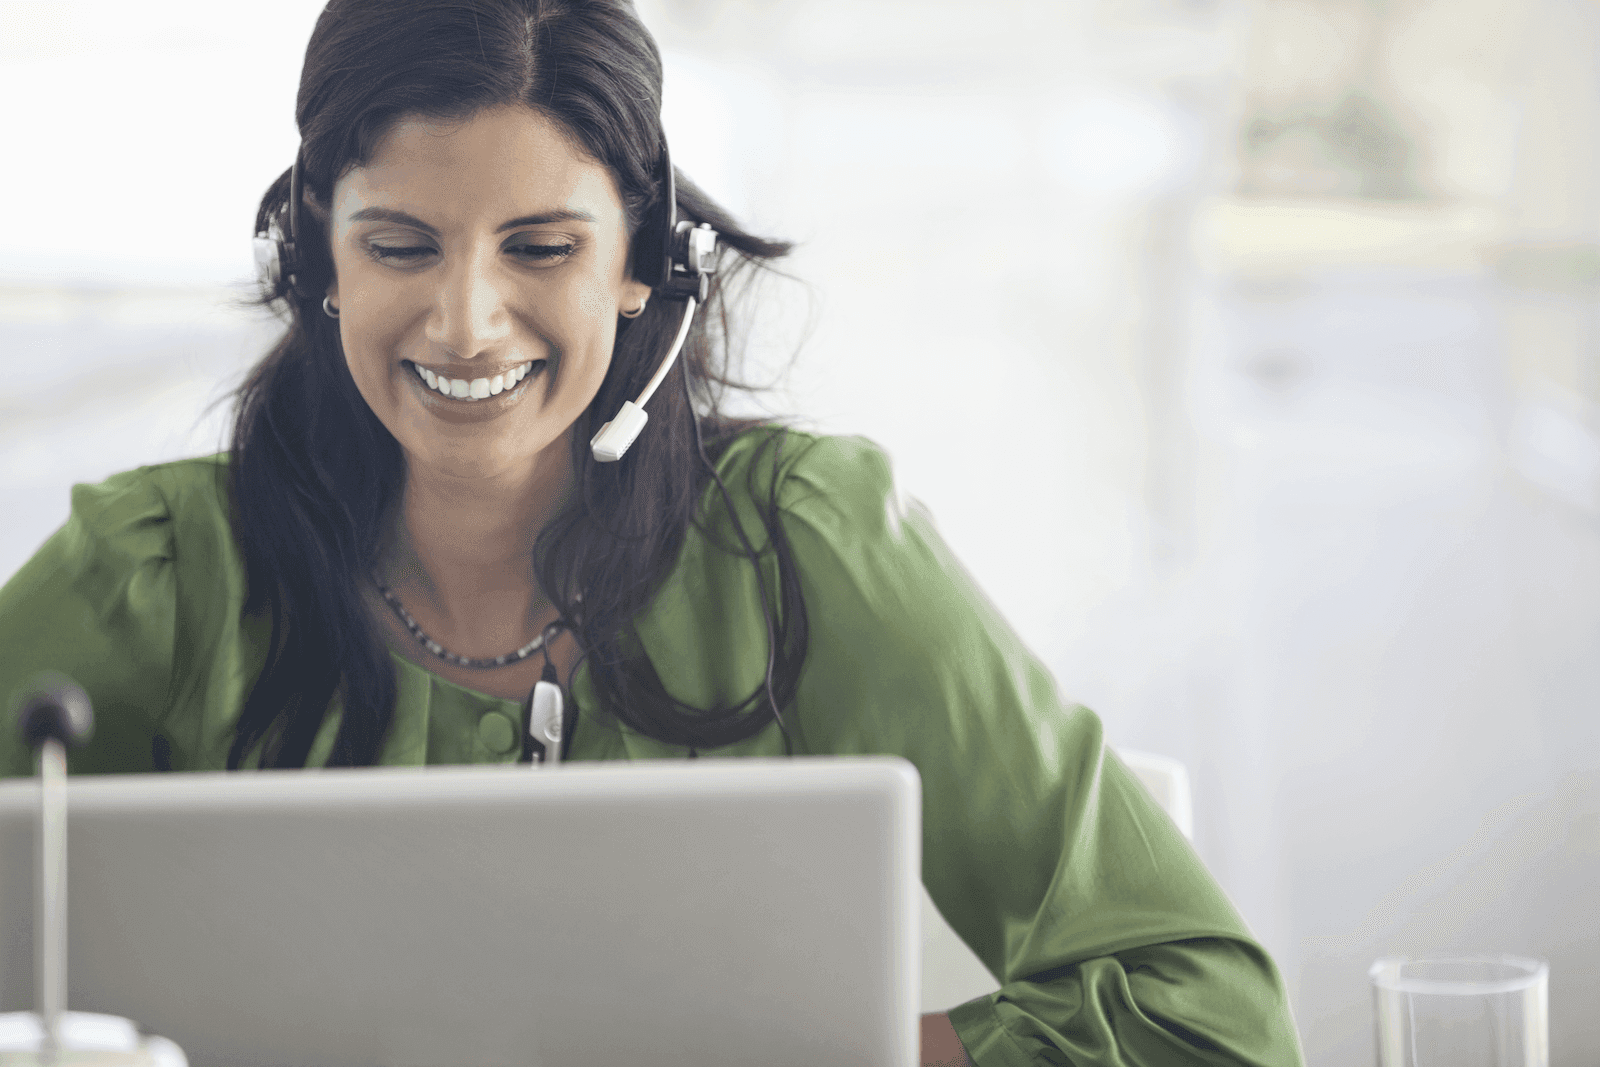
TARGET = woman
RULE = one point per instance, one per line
(411, 532)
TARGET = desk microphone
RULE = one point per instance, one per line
(54, 715)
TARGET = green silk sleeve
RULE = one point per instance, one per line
(96, 603)
(1114, 944)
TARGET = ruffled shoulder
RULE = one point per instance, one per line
(99, 601)
(844, 483)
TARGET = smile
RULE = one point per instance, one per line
(475, 388)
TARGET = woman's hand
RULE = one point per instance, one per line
(940, 1045)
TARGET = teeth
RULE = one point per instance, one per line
(477, 388)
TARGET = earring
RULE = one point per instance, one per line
(636, 312)
(328, 309)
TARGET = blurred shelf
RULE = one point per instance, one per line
(28, 301)
(1247, 236)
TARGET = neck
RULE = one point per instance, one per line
(462, 544)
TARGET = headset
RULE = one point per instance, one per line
(677, 261)
(682, 257)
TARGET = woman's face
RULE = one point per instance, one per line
(477, 251)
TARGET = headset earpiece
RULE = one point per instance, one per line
(683, 257)
(276, 258)
(653, 244)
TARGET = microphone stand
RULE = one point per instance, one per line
(50, 897)
(55, 715)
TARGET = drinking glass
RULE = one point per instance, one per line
(1469, 1011)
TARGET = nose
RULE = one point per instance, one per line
(470, 316)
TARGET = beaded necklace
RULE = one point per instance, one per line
(444, 653)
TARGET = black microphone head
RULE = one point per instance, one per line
(55, 707)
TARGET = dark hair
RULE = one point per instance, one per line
(313, 470)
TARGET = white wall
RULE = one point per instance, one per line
(143, 135)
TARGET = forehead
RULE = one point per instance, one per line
(499, 162)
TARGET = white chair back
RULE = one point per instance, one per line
(1168, 781)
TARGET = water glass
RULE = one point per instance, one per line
(1471, 1011)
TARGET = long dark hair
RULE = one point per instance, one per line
(313, 471)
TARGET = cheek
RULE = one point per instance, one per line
(602, 292)
(584, 365)
(597, 303)
(369, 349)
(375, 314)
(589, 328)
(372, 344)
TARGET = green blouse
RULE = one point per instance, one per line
(1114, 944)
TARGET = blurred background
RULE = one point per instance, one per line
(1246, 351)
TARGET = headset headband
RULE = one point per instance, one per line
(296, 191)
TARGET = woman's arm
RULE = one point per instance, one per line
(1114, 944)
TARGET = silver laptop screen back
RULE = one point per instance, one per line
(739, 911)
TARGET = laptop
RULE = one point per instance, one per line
(681, 914)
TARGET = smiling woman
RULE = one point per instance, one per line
(457, 229)
(411, 544)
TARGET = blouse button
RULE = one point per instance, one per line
(497, 732)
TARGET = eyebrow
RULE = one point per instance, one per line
(386, 214)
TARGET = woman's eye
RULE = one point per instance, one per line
(404, 254)
(542, 251)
